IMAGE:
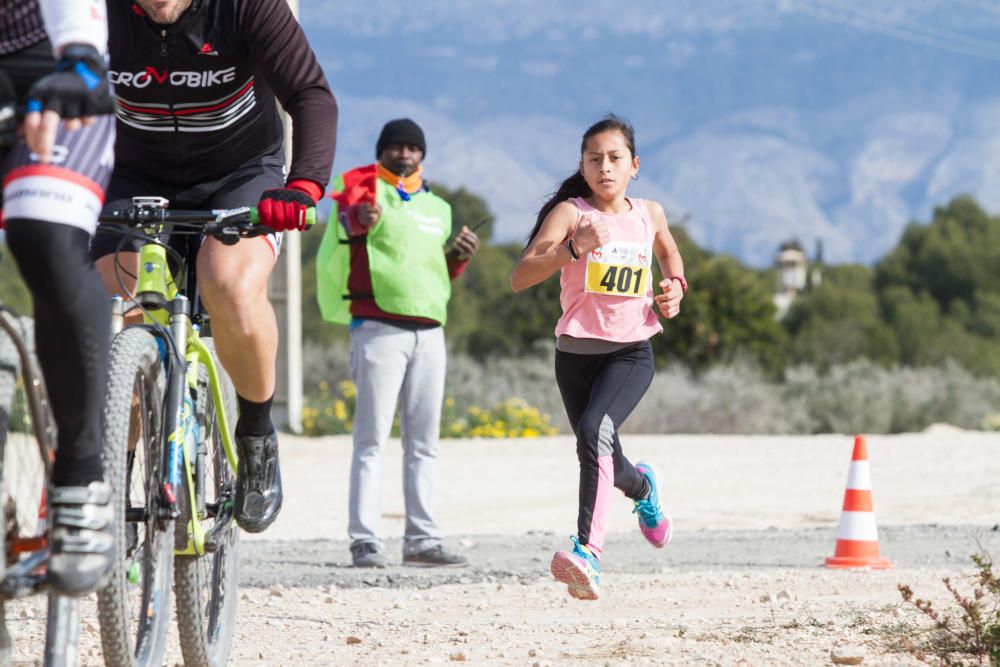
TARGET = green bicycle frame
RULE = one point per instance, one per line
(155, 284)
(155, 287)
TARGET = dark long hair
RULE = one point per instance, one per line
(575, 185)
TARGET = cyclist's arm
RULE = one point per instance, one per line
(82, 25)
(283, 54)
(75, 22)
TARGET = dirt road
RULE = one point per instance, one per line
(740, 584)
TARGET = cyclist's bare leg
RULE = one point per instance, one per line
(233, 284)
(123, 284)
(128, 266)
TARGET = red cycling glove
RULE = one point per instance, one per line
(285, 209)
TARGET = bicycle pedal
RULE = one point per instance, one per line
(218, 533)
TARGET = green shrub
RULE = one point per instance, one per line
(327, 413)
(735, 398)
(856, 397)
(512, 418)
(332, 413)
(863, 397)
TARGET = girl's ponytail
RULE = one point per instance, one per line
(574, 186)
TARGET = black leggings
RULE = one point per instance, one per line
(72, 333)
(599, 392)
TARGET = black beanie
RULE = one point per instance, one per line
(401, 131)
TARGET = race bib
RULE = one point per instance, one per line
(619, 269)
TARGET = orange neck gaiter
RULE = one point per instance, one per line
(405, 185)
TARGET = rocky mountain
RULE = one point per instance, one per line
(760, 120)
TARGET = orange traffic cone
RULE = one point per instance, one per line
(857, 535)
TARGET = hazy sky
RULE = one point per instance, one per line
(760, 120)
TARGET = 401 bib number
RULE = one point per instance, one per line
(619, 269)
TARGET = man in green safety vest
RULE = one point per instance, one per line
(384, 270)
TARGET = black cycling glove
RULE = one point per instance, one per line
(78, 87)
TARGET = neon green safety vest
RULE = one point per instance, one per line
(405, 257)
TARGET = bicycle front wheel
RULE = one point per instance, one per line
(206, 586)
(134, 608)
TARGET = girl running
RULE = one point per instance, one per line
(603, 242)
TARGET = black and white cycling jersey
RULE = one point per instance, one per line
(209, 81)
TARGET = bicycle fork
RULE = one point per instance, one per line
(183, 472)
(176, 408)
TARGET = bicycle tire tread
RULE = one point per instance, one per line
(132, 350)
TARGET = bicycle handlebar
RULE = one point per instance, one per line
(242, 222)
(136, 216)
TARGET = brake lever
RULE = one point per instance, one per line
(227, 235)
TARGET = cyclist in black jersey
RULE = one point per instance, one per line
(196, 83)
(53, 78)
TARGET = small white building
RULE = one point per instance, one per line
(792, 274)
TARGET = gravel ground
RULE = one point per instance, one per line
(713, 598)
(739, 585)
(314, 563)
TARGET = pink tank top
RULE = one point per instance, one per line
(609, 293)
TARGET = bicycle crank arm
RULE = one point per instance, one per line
(223, 519)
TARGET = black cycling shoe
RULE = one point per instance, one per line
(258, 482)
(82, 544)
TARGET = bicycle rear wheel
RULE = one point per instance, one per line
(23, 501)
(206, 586)
(134, 608)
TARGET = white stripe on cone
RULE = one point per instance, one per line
(859, 476)
(857, 526)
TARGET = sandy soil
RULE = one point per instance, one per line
(508, 487)
(739, 585)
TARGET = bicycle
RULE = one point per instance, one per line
(27, 450)
(169, 452)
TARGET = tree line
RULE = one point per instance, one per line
(934, 297)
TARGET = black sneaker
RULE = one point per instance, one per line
(436, 556)
(82, 544)
(258, 482)
(367, 554)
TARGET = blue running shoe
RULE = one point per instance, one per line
(579, 570)
(656, 527)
